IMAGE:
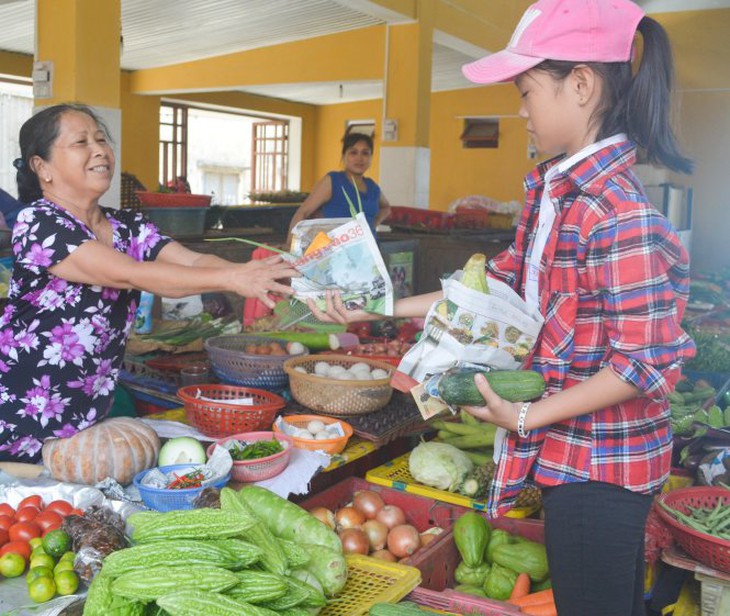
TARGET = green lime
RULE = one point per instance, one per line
(67, 582)
(37, 550)
(35, 542)
(12, 565)
(36, 572)
(68, 556)
(63, 565)
(42, 589)
(42, 560)
(57, 542)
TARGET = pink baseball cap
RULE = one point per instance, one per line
(572, 30)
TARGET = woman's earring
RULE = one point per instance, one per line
(48, 180)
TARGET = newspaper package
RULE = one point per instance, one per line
(468, 328)
(349, 261)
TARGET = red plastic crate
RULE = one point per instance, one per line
(423, 513)
(438, 574)
(420, 218)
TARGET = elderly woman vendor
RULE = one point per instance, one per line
(78, 271)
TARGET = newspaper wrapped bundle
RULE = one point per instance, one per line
(481, 322)
(340, 254)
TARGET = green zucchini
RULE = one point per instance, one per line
(458, 388)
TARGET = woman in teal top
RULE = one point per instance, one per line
(335, 195)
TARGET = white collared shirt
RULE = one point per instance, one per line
(547, 215)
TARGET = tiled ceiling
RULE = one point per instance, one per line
(162, 32)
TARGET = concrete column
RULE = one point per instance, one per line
(81, 41)
(405, 162)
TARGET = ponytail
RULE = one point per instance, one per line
(29, 188)
(648, 106)
(639, 106)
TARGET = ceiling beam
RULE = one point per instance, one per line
(351, 56)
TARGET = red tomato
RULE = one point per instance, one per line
(18, 547)
(48, 520)
(24, 531)
(76, 511)
(3, 536)
(6, 521)
(61, 507)
(27, 514)
(32, 501)
(6, 509)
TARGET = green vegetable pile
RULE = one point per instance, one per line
(258, 554)
(687, 405)
(492, 559)
(714, 521)
(713, 351)
(254, 451)
(202, 327)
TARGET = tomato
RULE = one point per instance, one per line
(32, 501)
(17, 547)
(27, 514)
(6, 521)
(61, 507)
(3, 536)
(75, 511)
(6, 509)
(24, 531)
(48, 520)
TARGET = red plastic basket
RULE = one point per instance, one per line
(248, 471)
(704, 548)
(217, 418)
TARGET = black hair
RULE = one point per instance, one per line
(350, 139)
(638, 105)
(37, 136)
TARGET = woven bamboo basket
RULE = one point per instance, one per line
(333, 396)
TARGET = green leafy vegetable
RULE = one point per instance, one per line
(253, 451)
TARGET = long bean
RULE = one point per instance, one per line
(714, 521)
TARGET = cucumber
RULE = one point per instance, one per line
(458, 388)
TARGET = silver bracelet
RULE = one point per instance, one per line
(521, 420)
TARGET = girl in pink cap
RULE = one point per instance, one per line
(611, 278)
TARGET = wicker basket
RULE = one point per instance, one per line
(232, 365)
(217, 418)
(335, 397)
(708, 550)
(248, 471)
(328, 445)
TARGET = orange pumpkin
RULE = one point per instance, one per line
(119, 448)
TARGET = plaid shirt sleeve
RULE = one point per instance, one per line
(641, 271)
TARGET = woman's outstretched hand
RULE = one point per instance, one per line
(497, 410)
(260, 278)
(336, 312)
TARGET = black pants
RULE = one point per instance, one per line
(594, 535)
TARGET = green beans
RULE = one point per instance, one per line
(713, 521)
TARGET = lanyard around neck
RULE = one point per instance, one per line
(353, 212)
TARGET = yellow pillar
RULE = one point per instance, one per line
(405, 161)
(81, 40)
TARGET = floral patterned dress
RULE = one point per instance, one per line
(62, 343)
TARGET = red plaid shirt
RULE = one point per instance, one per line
(614, 282)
